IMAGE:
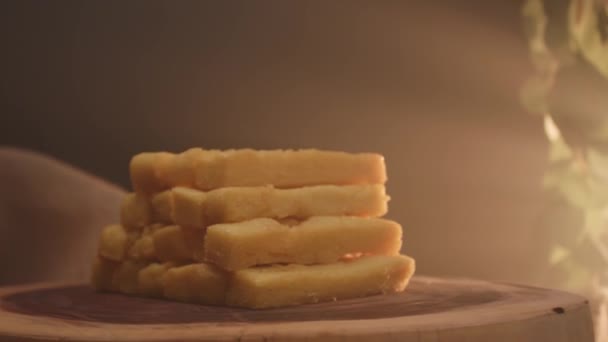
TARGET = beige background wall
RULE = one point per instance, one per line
(430, 84)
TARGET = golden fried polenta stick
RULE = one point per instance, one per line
(278, 286)
(115, 241)
(196, 283)
(318, 240)
(195, 208)
(212, 169)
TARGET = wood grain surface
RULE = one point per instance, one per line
(431, 309)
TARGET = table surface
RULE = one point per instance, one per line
(431, 309)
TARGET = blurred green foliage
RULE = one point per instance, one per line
(565, 37)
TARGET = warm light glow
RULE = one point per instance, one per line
(551, 129)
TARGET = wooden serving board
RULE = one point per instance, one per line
(431, 309)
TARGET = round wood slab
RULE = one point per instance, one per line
(430, 309)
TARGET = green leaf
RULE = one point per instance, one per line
(560, 151)
(535, 21)
(558, 254)
(598, 164)
(586, 27)
(569, 182)
(595, 223)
